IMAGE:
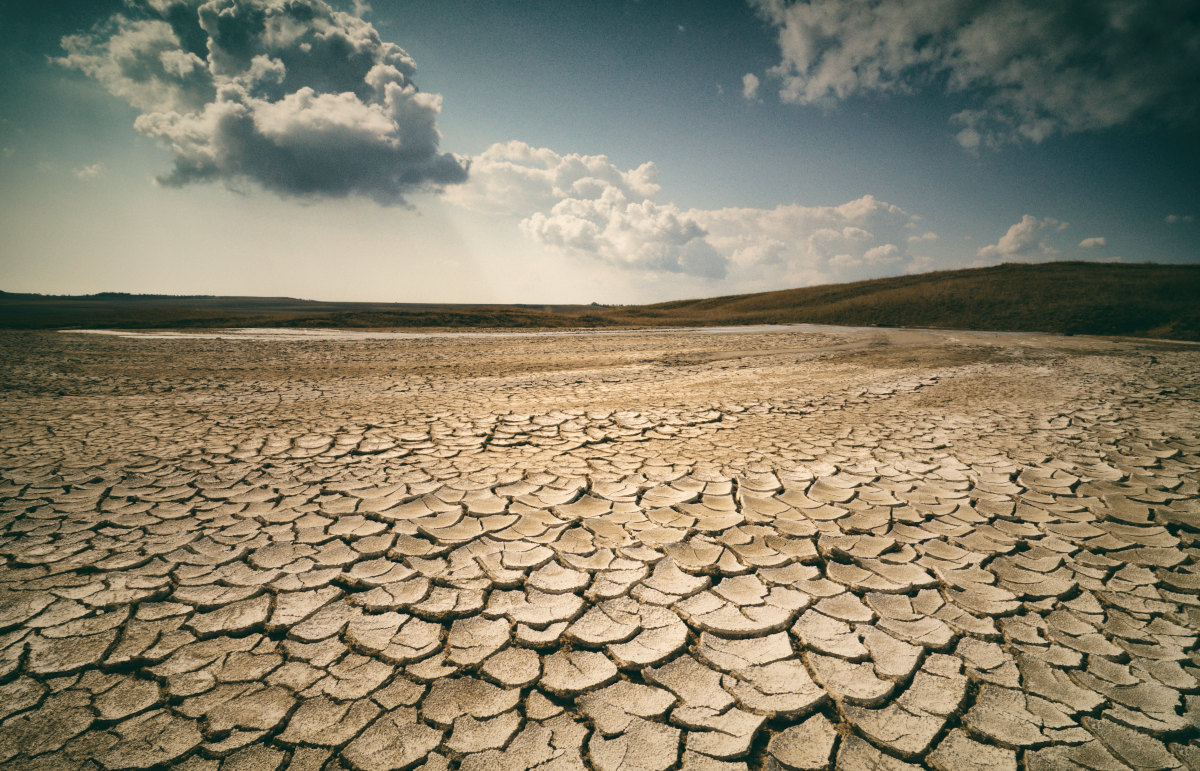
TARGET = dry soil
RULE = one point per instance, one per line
(803, 548)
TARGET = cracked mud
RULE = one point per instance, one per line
(798, 549)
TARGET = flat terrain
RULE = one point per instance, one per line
(802, 548)
(1144, 300)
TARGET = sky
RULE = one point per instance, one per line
(555, 151)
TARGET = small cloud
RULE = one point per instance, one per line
(930, 236)
(1175, 219)
(91, 171)
(884, 253)
(750, 85)
(720, 89)
(969, 139)
(1091, 243)
(922, 264)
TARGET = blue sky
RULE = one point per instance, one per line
(580, 151)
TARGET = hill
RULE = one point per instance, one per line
(1144, 300)
(1068, 297)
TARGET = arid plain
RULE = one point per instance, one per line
(797, 548)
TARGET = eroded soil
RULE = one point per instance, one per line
(799, 549)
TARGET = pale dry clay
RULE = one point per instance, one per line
(800, 550)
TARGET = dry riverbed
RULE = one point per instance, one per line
(798, 548)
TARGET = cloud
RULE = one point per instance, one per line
(297, 97)
(633, 234)
(1175, 219)
(91, 171)
(750, 85)
(586, 206)
(1024, 241)
(1029, 69)
(794, 244)
(1092, 243)
(518, 179)
(922, 264)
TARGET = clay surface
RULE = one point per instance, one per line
(795, 548)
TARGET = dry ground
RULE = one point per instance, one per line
(801, 549)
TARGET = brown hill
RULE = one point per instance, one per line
(1069, 297)
(1146, 300)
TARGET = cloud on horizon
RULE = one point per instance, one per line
(586, 206)
(1033, 69)
(792, 244)
(1023, 242)
(298, 98)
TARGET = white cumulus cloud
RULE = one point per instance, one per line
(297, 97)
(589, 207)
(793, 244)
(1030, 69)
(516, 178)
(1092, 243)
(1024, 241)
(637, 234)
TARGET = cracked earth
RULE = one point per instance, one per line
(799, 549)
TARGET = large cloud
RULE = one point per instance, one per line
(1033, 68)
(293, 95)
(795, 244)
(587, 206)
(1025, 241)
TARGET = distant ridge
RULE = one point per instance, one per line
(1143, 300)
(1068, 297)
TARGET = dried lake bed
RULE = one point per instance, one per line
(795, 548)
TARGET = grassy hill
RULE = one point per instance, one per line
(1070, 297)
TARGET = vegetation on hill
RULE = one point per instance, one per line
(1145, 300)
(1068, 297)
